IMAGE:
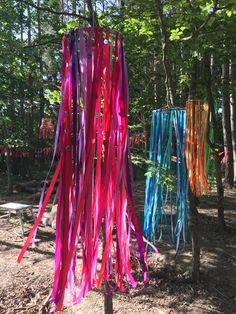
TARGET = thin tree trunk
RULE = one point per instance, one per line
(229, 170)
(155, 80)
(232, 74)
(193, 216)
(166, 64)
(213, 145)
(74, 6)
(93, 15)
(22, 111)
(62, 10)
(31, 101)
(193, 80)
(41, 93)
(9, 176)
(193, 221)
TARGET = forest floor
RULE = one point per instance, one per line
(24, 288)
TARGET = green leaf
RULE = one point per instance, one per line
(207, 7)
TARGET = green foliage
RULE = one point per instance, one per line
(53, 96)
(30, 65)
(138, 160)
(164, 176)
(177, 33)
(73, 23)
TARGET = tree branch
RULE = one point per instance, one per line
(42, 44)
(209, 16)
(190, 4)
(198, 29)
(227, 6)
(166, 64)
(46, 9)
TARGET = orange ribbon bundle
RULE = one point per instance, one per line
(195, 145)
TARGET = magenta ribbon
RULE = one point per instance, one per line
(95, 194)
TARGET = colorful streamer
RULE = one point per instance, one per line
(95, 195)
(195, 147)
(46, 129)
(167, 163)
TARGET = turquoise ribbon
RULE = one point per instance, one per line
(167, 140)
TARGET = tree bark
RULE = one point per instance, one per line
(214, 145)
(232, 74)
(229, 170)
(166, 64)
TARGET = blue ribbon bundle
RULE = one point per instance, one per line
(167, 182)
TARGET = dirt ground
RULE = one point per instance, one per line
(24, 288)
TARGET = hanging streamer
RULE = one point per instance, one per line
(167, 203)
(196, 146)
(46, 129)
(95, 192)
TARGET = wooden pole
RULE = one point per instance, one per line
(108, 302)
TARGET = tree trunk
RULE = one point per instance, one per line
(41, 93)
(22, 111)
(229, 170)
(193, 80)
(9, 176)
(232, 74)
(166, 64)
(213, 145)
(93, 15)
(155, 86)
(31, 101)
(193, 216)
(30, 80)
(193, 221)
(74, 6)
(62, 10)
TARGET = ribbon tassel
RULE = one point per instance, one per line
(95, 195)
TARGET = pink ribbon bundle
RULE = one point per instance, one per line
(95, 194)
